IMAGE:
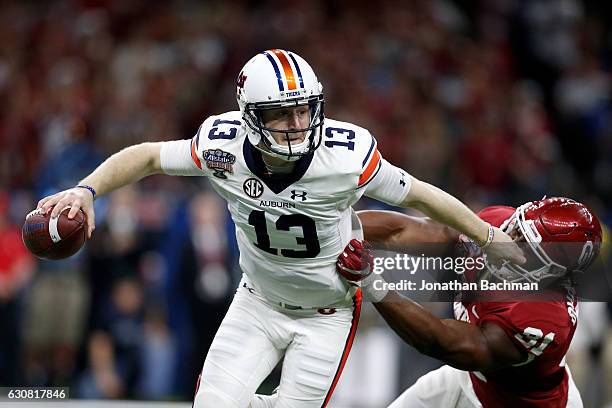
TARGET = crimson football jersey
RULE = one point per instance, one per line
(543, 330)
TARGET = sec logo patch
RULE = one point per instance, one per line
(253, 188)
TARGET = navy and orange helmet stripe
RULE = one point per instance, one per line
(285, 73)
(287, 70)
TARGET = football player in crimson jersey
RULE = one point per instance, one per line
(290, 176)
(501, 353)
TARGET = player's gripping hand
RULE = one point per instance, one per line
(503, 248)
(355, 262)
(76, 198)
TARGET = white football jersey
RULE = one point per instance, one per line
(290, 228)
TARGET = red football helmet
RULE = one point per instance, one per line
(564, 237)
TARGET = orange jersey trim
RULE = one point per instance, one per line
(370, 168)
(194, 155)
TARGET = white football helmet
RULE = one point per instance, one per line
(279, 79)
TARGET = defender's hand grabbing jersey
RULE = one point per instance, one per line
(290, 228)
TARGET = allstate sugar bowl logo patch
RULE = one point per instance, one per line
(220, 162)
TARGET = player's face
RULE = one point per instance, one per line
(532, 261)
(291, 118)
(516, 236)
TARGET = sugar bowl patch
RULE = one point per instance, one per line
(219, 162)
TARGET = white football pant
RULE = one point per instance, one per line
(452, 388)
(254, 336)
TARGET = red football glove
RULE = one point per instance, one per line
(355, 262)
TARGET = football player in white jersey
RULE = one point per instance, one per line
(289, 176)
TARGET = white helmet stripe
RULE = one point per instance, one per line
(279, 77)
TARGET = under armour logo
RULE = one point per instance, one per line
(301, 195)
(241, 79)
(402, 181)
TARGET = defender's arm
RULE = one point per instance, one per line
(400, 232)
(459, 344)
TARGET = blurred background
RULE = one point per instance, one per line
(496, 101)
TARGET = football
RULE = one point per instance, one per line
(56, 238)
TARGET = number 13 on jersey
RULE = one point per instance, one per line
(309, 239)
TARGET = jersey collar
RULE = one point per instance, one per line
(275, 182)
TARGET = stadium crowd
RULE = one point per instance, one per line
(494, 101)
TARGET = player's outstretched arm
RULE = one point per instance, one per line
(448, 210)
(459, 344)
(404, 233)
(122, 168)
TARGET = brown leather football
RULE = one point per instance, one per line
(56, 238)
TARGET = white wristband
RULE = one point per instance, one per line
(489, 238)
(372, 294)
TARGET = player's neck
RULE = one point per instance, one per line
(276, 165)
